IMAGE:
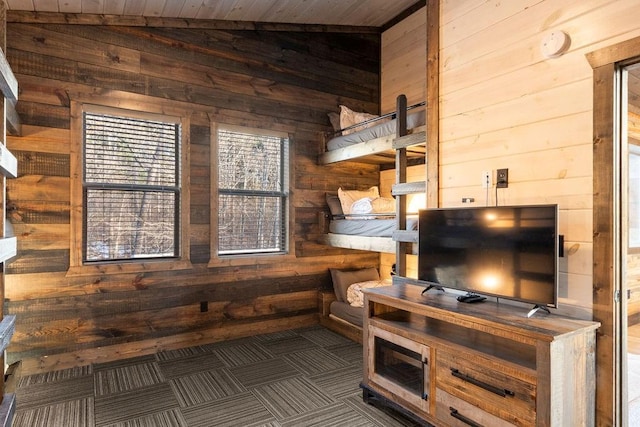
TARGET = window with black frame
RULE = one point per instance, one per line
(131, 188)
(252, 208)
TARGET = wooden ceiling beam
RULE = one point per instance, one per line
(27, 17)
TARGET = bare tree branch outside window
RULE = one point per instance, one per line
(252, 193)
(131, 188)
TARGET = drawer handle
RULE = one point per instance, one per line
(455, 414)
(493, 389)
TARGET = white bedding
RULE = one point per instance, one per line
(383, 129)
(369, 227)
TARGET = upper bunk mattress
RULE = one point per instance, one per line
(385, 128)
(369, 227)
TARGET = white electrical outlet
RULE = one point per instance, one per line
(486, 179)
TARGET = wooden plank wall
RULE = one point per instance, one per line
(281, 79)
(504, 105)
(387, 179)
(402, 71)
(403, 61)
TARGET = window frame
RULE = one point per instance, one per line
(217, 260)
(77, 265)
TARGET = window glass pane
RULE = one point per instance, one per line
(249, 162)
(634, 196)
(131, 188)
(252, 192)
(250, 224)
(130, 224)
(129, 151)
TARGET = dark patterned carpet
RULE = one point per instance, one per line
(306, 377)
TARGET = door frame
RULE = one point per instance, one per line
(606, 243)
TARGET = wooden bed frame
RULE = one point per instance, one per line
(379, 151)
(329, 321)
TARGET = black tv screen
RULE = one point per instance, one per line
(506, 251)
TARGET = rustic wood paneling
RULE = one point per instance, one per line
(244, 14)
(404, 61)
(503, 104)
(281, 80)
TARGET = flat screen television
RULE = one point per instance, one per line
(504, 251)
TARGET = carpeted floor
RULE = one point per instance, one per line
(306, 377)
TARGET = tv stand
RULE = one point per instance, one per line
(536, 308)
(450, 364)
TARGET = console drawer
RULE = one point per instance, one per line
(455, 412)
(486, 387)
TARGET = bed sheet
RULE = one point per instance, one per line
(369, 227)
(383, 129)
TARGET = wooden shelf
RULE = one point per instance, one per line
(8, 81)
(8, 248)
(8, 163)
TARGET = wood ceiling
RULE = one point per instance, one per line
(374, 13)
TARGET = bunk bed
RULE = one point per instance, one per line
(377, 141)
(370, 231)
(371, 141)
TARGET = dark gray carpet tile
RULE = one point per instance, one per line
(180, 353)
(233, 411)
(172, 418)
(56, 392)
(126, 378)
(205, 386)
(264, 372)
(350, 352)
(122, 407)
(379, 415)
(73, 413)
(232, 342)
(274, 336)
(242, 354)
(288, 345)
(49, 377)
(291, 397)
(340, 383)
(189, 365)
(315, 361)
(335, 415)
(147, 358)
(324, 337)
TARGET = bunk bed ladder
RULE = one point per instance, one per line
(405, 239)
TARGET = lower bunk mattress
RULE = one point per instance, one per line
(369, 227)
(347, 312)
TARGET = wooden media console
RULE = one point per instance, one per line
(448, 363)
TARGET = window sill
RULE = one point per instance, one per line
(128, 267)
(244, 260)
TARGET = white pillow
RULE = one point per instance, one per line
(362, 206)
(348, 117)
(383, 205)
(354, 292)
(347, 197)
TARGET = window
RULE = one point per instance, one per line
(252, 181)
(634, 197)
(131, 188)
